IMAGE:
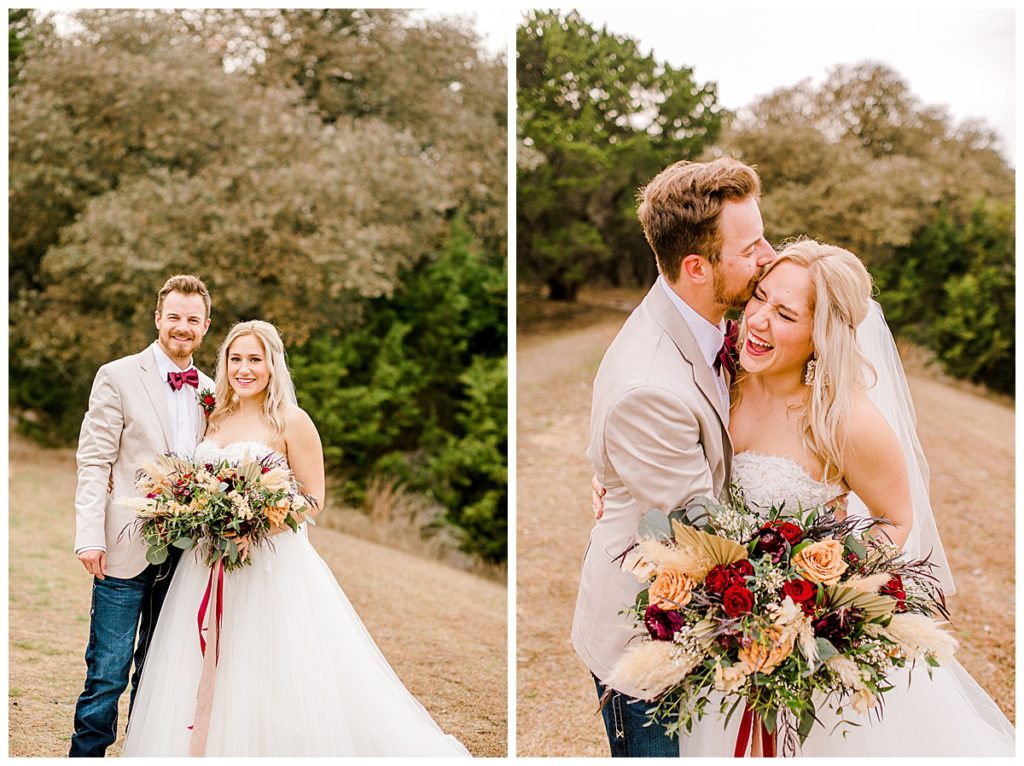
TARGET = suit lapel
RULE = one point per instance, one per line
(668, 316)
(150, 375)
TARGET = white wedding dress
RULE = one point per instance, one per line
(298, 673)
(946, 715)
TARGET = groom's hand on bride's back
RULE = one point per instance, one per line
(597, 497)
(95, 562)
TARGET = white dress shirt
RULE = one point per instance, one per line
(709, 338)
(182, 407)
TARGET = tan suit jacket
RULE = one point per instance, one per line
(658, 441)
(127, 425)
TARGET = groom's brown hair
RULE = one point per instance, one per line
(679, 208)
(187, 284)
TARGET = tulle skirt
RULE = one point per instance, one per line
(946, 715)
(298, 673)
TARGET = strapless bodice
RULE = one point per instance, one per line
(768, 480)
(209, 451)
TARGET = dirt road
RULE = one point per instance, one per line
(969, 443)
(453, 659)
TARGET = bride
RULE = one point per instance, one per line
(821, 409)
(297, 673)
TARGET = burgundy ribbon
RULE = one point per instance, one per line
(751, 723)
(207, 679)
(204, 606)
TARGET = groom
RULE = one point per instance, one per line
(141, 406)
(660, 410)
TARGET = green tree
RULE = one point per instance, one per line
(974, 334)
(428, 78)
(19, 24)
(596, 119)
(470, 474)
(86, 114)
(417, 391)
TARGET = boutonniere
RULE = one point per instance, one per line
(207, 400)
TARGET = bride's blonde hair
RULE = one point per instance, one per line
(279, 387)
(841, 289)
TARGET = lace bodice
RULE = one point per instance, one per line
(768, 480)
(209, 451)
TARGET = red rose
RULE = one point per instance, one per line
(741, 568)
(718, 580)
(739, 571)
(894, 589)
(737, 600)
(790, 531)
(800, 590)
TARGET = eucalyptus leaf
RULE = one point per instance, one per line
(655, 524)
(825, 649)
(184, 543)
(678, 515)
(156, 555)
(642, 599)
(855, 545)
(232, 552)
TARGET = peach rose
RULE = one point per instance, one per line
(767, 653)
(276, 513)
(670, 586)
(821, 562)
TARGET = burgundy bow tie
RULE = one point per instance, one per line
(177, 379)
(727, 353)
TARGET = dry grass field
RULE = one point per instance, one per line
(454, 662)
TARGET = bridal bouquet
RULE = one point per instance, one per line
(219, 505)
(774, 609)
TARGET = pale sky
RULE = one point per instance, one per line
(963, 59)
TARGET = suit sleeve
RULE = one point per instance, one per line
(98, 446)
(653, 442)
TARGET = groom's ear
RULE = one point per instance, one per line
(696, 269)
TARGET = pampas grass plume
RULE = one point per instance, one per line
(650, 668)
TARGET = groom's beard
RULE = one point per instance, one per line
(181, 350)
(738, 298)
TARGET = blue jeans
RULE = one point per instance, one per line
(120, 609)
(624, 719)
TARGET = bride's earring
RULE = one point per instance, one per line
(812, 363)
